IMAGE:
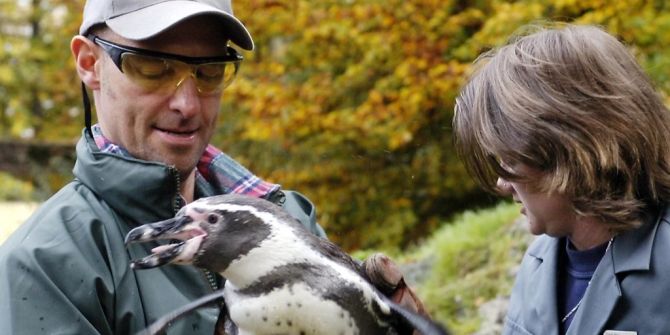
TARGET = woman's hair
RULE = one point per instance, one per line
(573, 103)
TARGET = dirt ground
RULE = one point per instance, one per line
(13, 213)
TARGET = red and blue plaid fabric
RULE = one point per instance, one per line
(216, 172)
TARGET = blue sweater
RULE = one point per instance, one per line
(577, 269)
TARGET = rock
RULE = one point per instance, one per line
(493, 316)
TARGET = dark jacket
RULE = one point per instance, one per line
(627, 292)
(66, 270)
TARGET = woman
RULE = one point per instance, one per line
(566, 122)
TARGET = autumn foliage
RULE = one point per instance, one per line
(349, 102)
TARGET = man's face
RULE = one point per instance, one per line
(547, 213)
(169, 126)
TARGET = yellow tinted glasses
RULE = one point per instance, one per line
(153, 70)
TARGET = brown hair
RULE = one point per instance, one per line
(573, 103)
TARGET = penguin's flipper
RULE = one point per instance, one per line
(159, 326)
(224, 325)
(415, 321)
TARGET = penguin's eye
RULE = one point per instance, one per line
(212, 218)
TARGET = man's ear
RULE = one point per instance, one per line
(86, 57)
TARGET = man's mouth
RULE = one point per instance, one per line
(177, 132)
(187, 237)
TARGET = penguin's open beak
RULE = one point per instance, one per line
(182, 228)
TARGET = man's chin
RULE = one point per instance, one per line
(183, 158)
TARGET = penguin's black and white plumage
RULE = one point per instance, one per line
(280, 279)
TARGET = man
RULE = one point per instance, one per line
(566, 122)
(156, 69)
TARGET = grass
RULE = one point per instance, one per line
(14, 213)
(472, 262)
(466, 263)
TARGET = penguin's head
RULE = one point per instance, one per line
(210, 232)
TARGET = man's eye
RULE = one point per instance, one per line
(211, 71)
(148, 67)
(153, 69)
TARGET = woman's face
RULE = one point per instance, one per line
(547, 213)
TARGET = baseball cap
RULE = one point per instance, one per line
(142, 19)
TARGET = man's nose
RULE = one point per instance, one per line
(504, 186)
(185, 99)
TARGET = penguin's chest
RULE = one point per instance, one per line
(306, 297)
(291, 288)
(293, 308)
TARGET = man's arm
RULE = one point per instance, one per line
(47, 286)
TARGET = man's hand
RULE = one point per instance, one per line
(384, 274)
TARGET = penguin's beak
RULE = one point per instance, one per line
(183, 229)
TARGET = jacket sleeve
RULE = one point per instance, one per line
(54, 280)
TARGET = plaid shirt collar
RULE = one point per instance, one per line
(217, 173)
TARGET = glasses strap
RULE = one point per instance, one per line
(87, 109)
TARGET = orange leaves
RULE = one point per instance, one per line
(358, 89)
(36, 73)
(348, 101)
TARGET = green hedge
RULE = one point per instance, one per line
(473, 261)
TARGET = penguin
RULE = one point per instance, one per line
(280, 278)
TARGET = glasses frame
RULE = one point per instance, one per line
(116, 51)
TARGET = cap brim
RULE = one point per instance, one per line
(150, 21)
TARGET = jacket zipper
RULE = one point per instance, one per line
(209, 276)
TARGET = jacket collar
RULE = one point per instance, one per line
(140, 191)
(143, 191)
(543, 299)
(630, 251)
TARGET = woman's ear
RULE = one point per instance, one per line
(86, 58)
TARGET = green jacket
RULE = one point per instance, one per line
(66, 270)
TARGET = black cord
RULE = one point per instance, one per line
(87, 109)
